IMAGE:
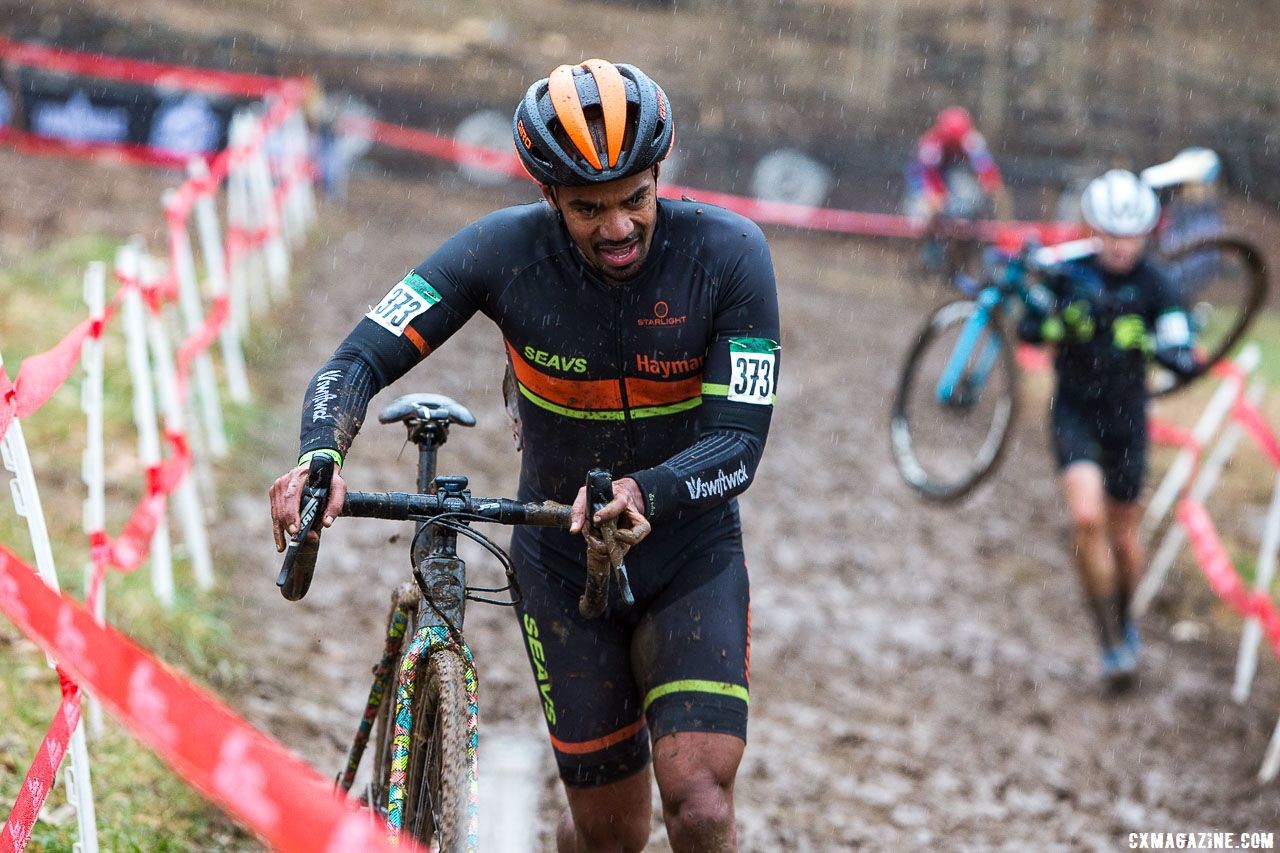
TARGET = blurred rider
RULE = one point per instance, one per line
(1109, 313)
(940, 179)
(642, 337)
(951, 143)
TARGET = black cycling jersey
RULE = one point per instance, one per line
(669, 377)
(1109, 323)
(1104, 328)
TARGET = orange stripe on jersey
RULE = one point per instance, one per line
(568, 106)
(613, 100)
(584, 746)
(417, 340)
(590, 394)
(652, 392)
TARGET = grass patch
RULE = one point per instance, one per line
(141, 806)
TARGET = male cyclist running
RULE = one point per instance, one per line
(642, 337)
(1107, 306)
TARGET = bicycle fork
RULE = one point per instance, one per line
(960, 382)
(405, 600)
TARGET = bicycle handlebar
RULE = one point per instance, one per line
(403, 506)
(299, 563)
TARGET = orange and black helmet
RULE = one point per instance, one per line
(591, 123)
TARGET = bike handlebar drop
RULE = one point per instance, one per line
(299, 562)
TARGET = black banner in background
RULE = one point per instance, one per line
(89, 111)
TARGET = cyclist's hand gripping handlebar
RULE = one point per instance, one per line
(595, 596)
(300, 556)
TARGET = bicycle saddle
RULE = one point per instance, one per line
(423, 406)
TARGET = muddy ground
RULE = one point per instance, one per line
(920, 676)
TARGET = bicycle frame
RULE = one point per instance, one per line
(957, 368)
(438, 600)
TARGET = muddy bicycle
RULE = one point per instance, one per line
(424, 781)
(957, 395)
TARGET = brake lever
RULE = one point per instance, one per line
(599, 493)
(299, 562)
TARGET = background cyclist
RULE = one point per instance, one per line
(1113, 309)
(952, 174)
(641, 337)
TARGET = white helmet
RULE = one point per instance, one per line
(1119, 203)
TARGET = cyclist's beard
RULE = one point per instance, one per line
(620, 260)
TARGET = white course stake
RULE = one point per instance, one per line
(206, 385)
(186, 500)
(281, 160)
(215, 264)
(1176, 536)
(26, 501)
(129, 266)
(92, 467)
(302, 187)
(1251, 637)
(249, 261)
(1271, 761)
(267, 217)
(1184, 463)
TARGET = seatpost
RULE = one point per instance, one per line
(428, 433)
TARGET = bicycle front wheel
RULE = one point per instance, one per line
(424, 774)
(1223, 282)
(438, 798)
(956, 399)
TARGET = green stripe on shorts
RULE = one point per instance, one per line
(695, 685)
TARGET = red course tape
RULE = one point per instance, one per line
(768, 212)
(1221, 574)
(43, 772)
(138, 71)
(233, 764)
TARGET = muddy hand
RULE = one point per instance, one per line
(625, 513)
(286, 497)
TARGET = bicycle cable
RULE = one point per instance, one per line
(449, 521)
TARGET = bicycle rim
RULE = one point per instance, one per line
(944, 442)
(1223, 282)
(439, 806)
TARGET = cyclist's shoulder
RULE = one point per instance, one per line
(709, 229)
(514, 235)
(532, 220)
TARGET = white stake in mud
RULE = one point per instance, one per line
(206, 385)
(187, 502)
(215, 265)
(1176, 536)
(303, 191)
(1184, 463)
(1271, 761)
(249, 260)
(129, 267)
(92, 467)
(26, 502)
(266, 216)
(279, 154)
(1251, 636)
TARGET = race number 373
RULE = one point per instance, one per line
(406, 300)
(753, 370)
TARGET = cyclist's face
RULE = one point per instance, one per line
(612, 223)
(1121, 254)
